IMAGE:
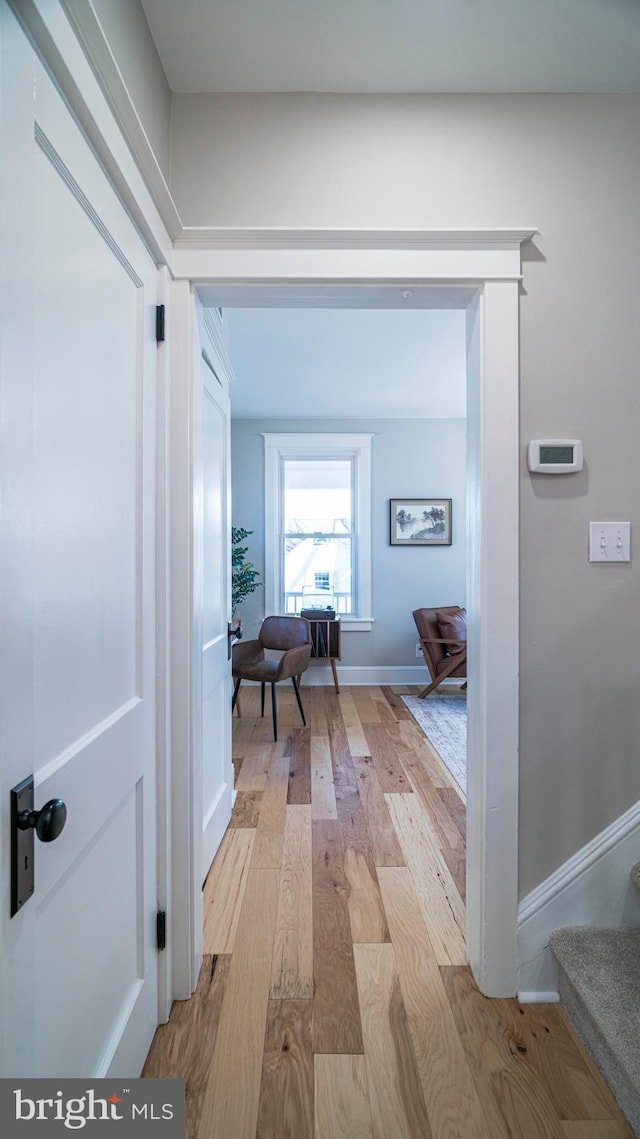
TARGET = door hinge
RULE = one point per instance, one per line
(159, 324)
(161, 929)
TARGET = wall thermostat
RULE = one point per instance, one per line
(555, 456)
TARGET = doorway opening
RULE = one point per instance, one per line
(490, 312)
(318, 392)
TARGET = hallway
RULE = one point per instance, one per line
(334, 1001)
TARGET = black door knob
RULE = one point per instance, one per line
(48, 823)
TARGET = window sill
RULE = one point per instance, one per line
(356, 624)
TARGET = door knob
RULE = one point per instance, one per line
(47, 823)
(234, 633)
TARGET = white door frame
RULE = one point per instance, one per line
(487, 264)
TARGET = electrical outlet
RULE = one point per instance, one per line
(418, 649)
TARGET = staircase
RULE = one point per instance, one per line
(600, 990)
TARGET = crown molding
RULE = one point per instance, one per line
(240, 237)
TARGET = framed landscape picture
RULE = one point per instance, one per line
(420, 521)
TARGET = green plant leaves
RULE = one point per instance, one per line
(243, 574)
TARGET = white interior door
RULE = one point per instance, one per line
(77, 668)
(217, 768)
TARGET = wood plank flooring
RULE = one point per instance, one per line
(334, 1000)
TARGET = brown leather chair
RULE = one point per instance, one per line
(290, 636)
(444, 656)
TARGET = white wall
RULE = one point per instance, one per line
(409, 457)
(403, 160)
(569, 165)
(126, 29)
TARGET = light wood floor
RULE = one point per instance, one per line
(334, 1000)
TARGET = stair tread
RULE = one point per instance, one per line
(603, 966)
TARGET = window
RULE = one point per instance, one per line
(317, 525)
(318, 538)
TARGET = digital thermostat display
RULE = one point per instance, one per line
(555, 456)
(551, 454)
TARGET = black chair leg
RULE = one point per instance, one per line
(236, 690)
(262, 698)
(274, 711)
(297, 692)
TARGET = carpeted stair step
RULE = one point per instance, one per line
(600, 990)
(635, 874)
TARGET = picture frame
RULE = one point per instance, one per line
(420, 521)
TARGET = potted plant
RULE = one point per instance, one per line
(244, 575)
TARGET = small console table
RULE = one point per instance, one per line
(326, 642)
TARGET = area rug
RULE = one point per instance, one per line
(443, 720)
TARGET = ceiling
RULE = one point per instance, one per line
(347, 363)
(385, 46)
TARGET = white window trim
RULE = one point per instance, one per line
(327, 445)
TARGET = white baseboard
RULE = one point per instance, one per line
(591, 888)
(319, 673)
(537, 998)
(349, 674)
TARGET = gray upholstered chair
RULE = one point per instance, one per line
(289, 636)
(445, 655)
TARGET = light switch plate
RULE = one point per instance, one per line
(609, 541)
